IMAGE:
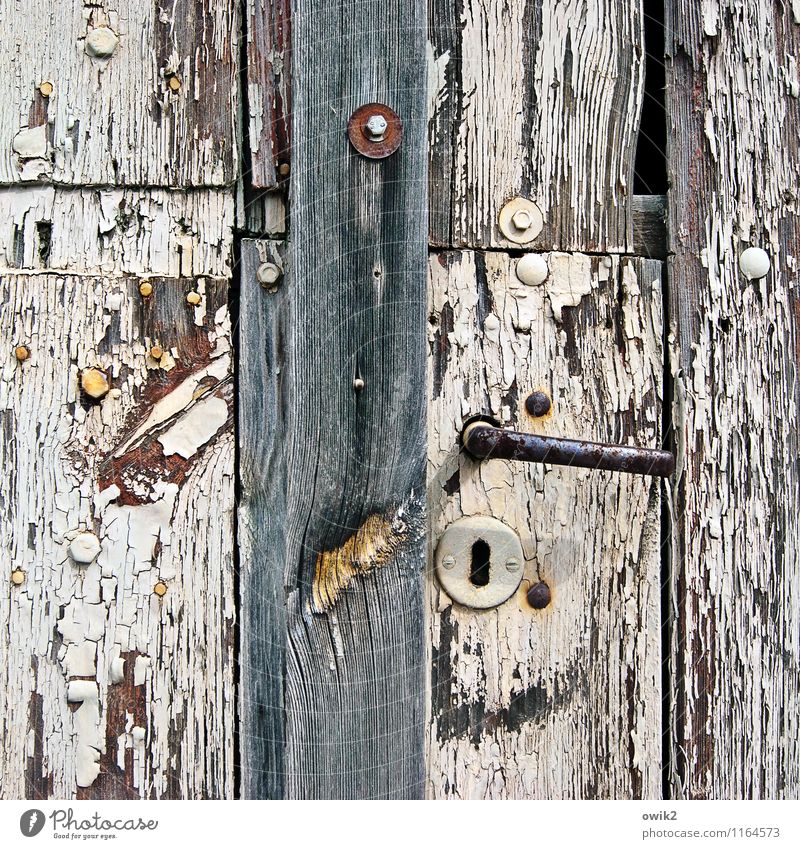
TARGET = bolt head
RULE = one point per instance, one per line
(449, 562)
(537, 404)
(84, 548)
(376, 127)
(101, 42)
(268, 273)
(521, 219)
(539, 596)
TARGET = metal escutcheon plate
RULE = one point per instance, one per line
(464, 550)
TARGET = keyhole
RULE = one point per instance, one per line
(479, 568)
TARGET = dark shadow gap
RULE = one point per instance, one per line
(650, 166)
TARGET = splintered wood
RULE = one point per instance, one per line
(562, 702)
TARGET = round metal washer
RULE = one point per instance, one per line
(515, 234)
(453, 561)
(359, 135)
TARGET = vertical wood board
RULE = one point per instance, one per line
(110, 691)
(734, 156)
(562, 702)
(540, 100)
(332, 475)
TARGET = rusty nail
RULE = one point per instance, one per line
(46, 88)
(145, 289)
(194, 298)
(22, 352)
(537, 404)
(94, 383)
(174, 82)
(358, 384)
(156, 352)
(539, 596)
(17, 577)
(160, 589)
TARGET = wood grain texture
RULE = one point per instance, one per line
(108, 690)
(539, 99)
(732, 98)
(268, 89)
(117, 231)
(333, 479)
(118, 120)
(562, 702)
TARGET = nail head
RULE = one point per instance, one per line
(84, 548)
(145, 289)
(160, 589)
(532, 269)
(156, 352)
(46, 88)
(538, 404)
(17, 577)
(174, 83)
(268, 273)
(194, 298)
(101, 42)
(754, 263)
(539, 596)
(520, 220)
(22, 352)
(94, 383)
(358, 384)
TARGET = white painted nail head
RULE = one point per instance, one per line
(754, 263)
(84, 548)
(101, 43)
(532, 269)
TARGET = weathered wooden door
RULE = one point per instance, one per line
(212, 300)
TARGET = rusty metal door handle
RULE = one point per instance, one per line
(483, 441)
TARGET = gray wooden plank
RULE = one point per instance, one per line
(734, 160)
(334, 479)
(538, 98)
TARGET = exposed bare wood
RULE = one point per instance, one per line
(117, 510)
(539, 99)
(732, 97)
(268, 90)
(562, 702)
(143, 96)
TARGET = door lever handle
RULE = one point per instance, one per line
(483, 441)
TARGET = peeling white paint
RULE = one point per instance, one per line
(195, 427)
